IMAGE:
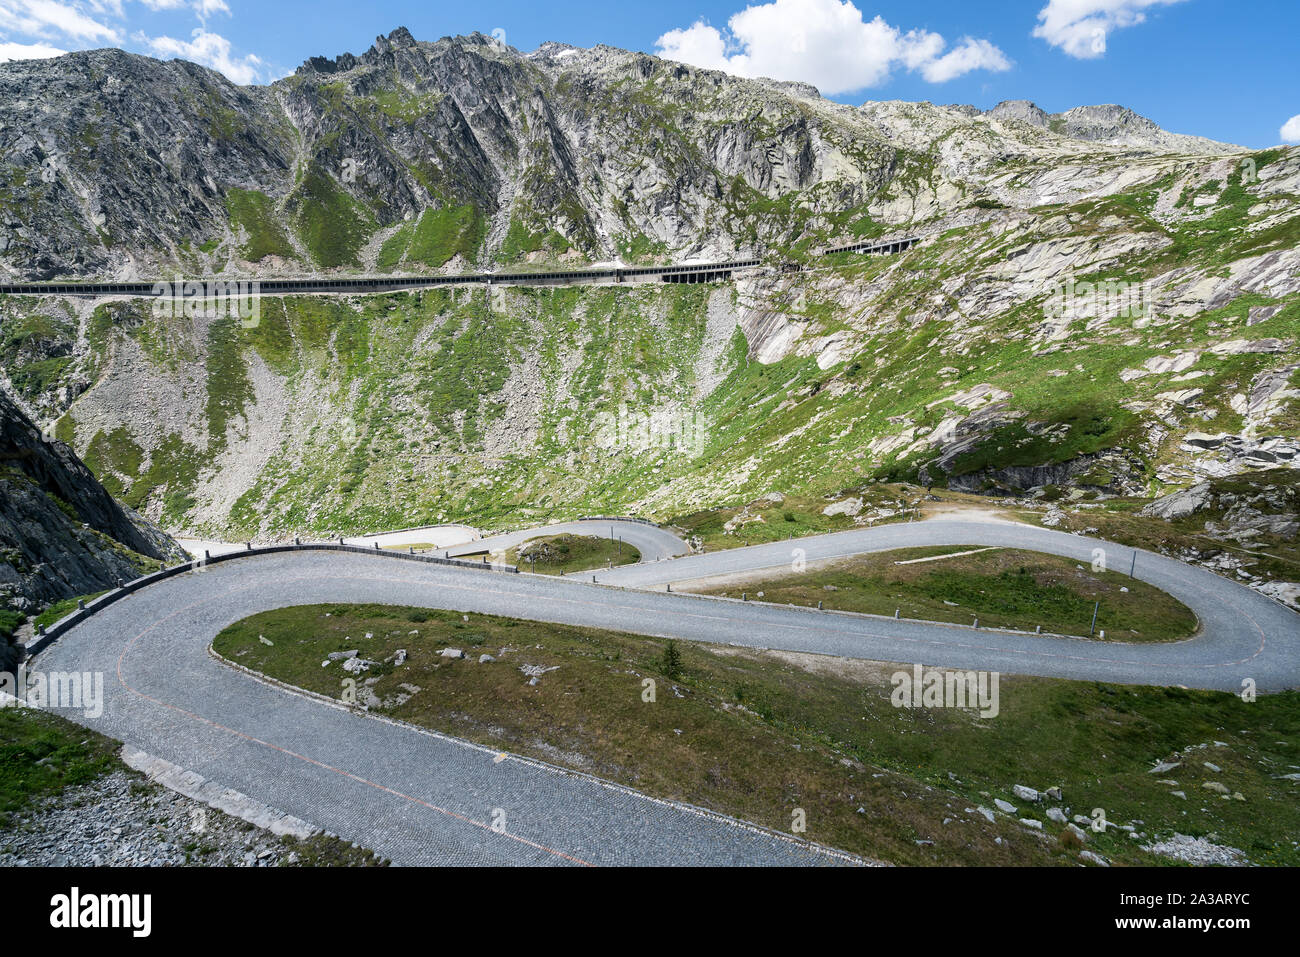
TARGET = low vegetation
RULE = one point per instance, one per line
(759, 734)
(561, 554)
(41, 754)
(1001, 587)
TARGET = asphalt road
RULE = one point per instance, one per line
(423, 798)
(654, 543)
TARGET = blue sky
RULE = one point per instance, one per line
(1227, 69)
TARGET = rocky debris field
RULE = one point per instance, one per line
(121, 820)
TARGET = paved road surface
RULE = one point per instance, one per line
(423, 798)
(652, 542)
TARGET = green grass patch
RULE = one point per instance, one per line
(61, 609)
(41, 754)
(758, 734)
(1003, 588)
(332, 224)
(561, 554)
(256, 213)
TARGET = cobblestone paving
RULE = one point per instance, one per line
(418, 797)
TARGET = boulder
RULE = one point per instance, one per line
(848, 506)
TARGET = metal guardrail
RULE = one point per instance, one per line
(618, 518)
(46, 637)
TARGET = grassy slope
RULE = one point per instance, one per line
(561, 554)
(1003, 588)
(256, 213)
(421, 401)
(41, 754)
(759, 734)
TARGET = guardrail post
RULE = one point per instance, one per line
(249, 545)
(206, 556)
(376, 546)
(40, 629)
(744, 596)
(819, 605)
(297, 540)
(896, 611)
(81, 604)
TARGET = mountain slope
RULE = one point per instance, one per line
(61, 533)
(1081, 320)
(415, 155)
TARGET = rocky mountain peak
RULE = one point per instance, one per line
(1025, 111)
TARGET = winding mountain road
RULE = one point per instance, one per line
(653, 542)
(424, 798)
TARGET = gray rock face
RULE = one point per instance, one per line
(109, 139)
(61, 533)
(607, 149)
(1246, 509)
(1022, 111)
(1184, 502)
(1107, 123)
(1119, 126)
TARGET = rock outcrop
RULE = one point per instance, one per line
(61, 533)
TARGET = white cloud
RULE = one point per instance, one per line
(823, 42)
(48, 28)
(206, 8)
(209, 49)
(45, 19)
(202, 8)
(1080, 27)
(1290, 131)
(970, 54)
(28, 51)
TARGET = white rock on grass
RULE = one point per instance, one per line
(848, 506)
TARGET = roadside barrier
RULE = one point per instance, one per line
(46, 636)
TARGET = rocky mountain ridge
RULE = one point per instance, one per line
(1081, 321)
(428, 155)
(61, 533)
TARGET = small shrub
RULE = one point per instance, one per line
(672, 661)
